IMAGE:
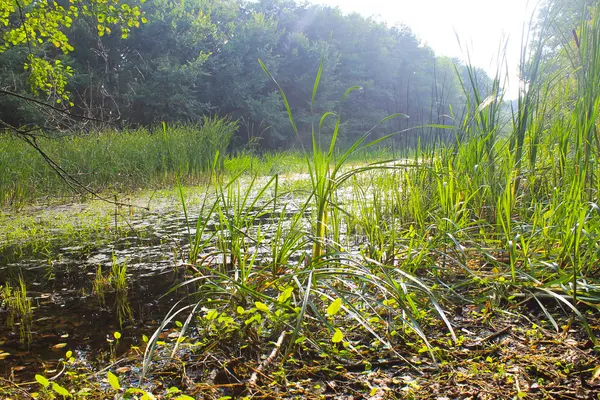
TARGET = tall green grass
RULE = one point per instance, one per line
(112, 159)
(510, 208)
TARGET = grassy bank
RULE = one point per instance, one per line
(111, 160)
(123, 161)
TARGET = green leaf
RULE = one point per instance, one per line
(117, 335)
(334, 307)
(212, 314)
(60, 390)
(135, 391)
(42, 380)
(262, 306)
(286, 294)
(301, 339)
(85, 392)
(338, 336)
(316, 85)
(113, 380)
(596, 374)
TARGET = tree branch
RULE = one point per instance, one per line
(76, 185)
(62, 111)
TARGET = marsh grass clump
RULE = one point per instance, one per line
(309, 274)
(100, 285)
(116, 283)
(19, 309)
(119, 283)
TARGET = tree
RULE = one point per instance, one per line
(166, 56)
(39, 27)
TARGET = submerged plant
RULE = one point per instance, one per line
(119, 283)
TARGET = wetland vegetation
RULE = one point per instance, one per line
(391, 240)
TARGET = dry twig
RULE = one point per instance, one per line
(268, 361)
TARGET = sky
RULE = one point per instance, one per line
(481, 25)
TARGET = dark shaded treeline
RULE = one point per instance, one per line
(199, 57)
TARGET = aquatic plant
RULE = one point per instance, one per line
(20, 311)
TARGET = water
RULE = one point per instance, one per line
(68, 315)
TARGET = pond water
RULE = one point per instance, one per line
(69, 314)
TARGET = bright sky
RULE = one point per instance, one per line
(481, 25)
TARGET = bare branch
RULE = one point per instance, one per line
(62, 111)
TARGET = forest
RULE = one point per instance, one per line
(271, 199)
(196, 58)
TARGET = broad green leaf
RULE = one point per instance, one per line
(212, 314)
(301, 339)
(338, 336)
(113, 380)
(262, 306)
(85, 392)
(134, 391)
(334, 307)
(42, 380)
(145, 395)
(286, 294)
(596, 374)
(60, 390)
